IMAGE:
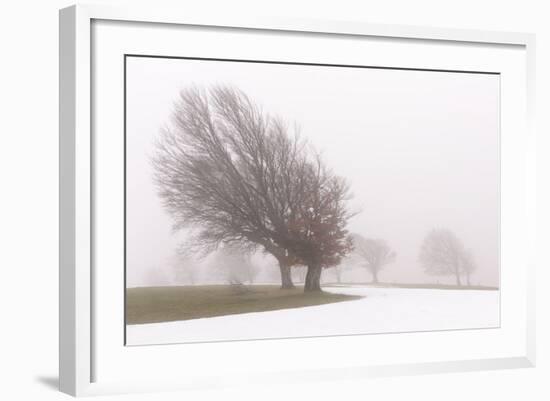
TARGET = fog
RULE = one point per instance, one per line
(420, 150)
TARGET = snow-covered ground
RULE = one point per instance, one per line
(382, 310)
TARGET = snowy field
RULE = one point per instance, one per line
(382, 310)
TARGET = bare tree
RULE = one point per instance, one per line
(338, 273)
(214, 166)
(373, 253)
(234, 265)
(443, 254)
(317, 232)
(184, 268)
(235, 176)
(468, 265)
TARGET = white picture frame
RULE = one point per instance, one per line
(80, 342)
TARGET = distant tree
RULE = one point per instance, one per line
(443, 254)
(250, 269)
(338, 273)
(300, 272)
(184, 267)
(234, 265)
(468, 265)
(345, 265)
(373, 253)
(183, 271)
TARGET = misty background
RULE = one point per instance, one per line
(420, 150)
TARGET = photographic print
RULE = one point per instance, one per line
(268, 200)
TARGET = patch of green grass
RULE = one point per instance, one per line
(165, 304)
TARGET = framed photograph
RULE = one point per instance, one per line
(278, 200)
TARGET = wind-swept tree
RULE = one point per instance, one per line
(373, 253)
(316, 232)
(214, 166)
(443, 254)
(234, 175)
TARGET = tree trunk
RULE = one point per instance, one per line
(302, 272)
(468, 280)
(286, 277)
(313, 278)
(338, 274)
(458, 282)
(375, 277)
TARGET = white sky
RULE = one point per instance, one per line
(420, 150)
